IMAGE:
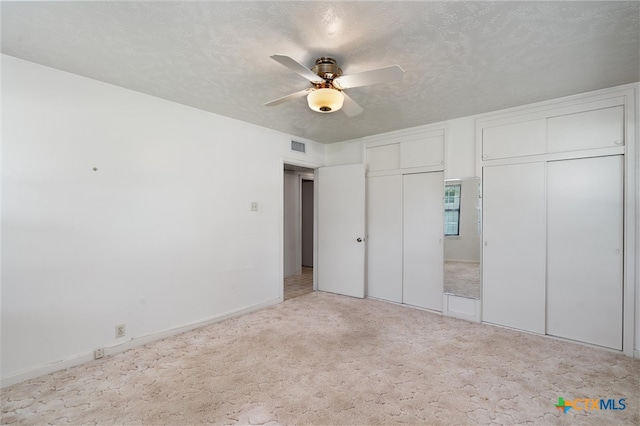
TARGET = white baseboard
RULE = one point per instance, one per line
(132, 343)
(461, 307)
(636, 353)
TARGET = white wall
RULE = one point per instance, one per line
(160, 236)
(292, 250)
(306, 227)
(343, 153)
(637, 245)
(460, 159)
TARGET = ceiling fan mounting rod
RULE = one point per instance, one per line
(326, 85)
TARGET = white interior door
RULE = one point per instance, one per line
(584, 246)
(384, 237)
(423, 233)
(341, 229)
(513, 284)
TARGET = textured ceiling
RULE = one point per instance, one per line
(460, 58)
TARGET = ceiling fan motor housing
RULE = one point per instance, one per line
(327, 68)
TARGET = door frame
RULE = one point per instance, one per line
(301, 179)
(314, 166)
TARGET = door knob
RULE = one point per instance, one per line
(359, 240)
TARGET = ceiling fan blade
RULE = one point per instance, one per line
(377, 76)
(296, 66)
(350, 107)
(290, 97)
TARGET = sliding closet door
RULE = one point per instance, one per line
(423, 232)
(584, 265)
(514, 246)
(384, 237)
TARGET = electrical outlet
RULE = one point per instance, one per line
(120, 331)
(98, 353)
(254, 206)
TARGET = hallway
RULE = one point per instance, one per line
(297, 285)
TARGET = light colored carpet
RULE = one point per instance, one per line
(462, 278)
(326, 359)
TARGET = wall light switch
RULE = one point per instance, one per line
(254, 206)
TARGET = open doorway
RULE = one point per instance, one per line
(298, 230)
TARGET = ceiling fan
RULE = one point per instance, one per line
(327, 94)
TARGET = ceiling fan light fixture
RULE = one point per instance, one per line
(325, 100)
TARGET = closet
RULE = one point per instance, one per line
(405, 187)
(553, 221)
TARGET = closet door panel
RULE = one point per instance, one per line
(514, 140)
(423, 152)
(384, 237)
(385, 157)
(514, 246)
(423, 233)
(585, 243)
(599, 128)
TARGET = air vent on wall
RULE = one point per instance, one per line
(298, 146)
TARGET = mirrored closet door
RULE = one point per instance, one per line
(462, 237)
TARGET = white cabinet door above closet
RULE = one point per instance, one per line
(514, 246)
(585, 237)
(600, 128)
(384, 237)
(423, 232)
(422, 153)
(514, 140)
(385, 157)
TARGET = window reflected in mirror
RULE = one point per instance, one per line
(452, 209)
(462, 237)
